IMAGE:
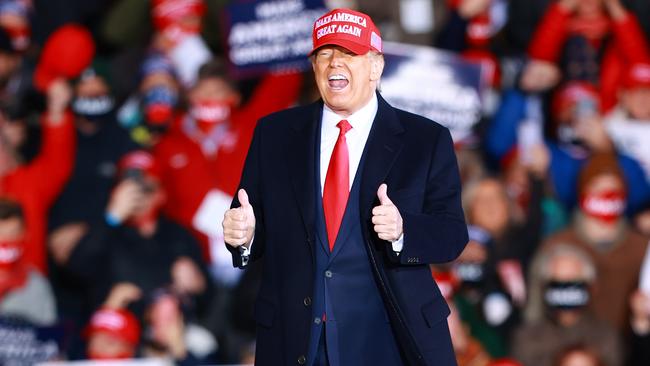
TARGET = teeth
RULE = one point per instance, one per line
(337, 77)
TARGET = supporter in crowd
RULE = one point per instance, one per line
(134, 243)
(155, 107)
(628, 124)
(170, 334)
(25, 182)
(206, 150)
(565, 279)
(24, 292)
(594, 41)
(113, 334)
(578, 131)
(600, 229)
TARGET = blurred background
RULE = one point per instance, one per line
(124, 125)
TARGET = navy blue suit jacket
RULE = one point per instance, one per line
(415, 158)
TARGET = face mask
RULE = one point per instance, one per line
(158, 105)
(470, 272)
(10, 253)
(93, 108)
(566, 295)
(606, 206)
(209, 113)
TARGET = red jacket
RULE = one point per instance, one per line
(188, 174)
(628, 45)
(36, 185)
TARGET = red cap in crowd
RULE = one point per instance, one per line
(637, 76)
(572, 93)
(349, 29)
(168, 12)
(67, 52)
(505, 362)
(140, 160)
(120, 323)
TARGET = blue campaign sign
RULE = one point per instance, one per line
(267, 35)
(435, 84)
(22, 343)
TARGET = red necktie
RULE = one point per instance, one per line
(337, 184)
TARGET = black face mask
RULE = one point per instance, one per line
(470, 273)
(93, 108)
(566, 295)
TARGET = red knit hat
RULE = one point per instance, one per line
(637, 76)
(347, 28)
(167, 12)
(120, 323)
(67, 52)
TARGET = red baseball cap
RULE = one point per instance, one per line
(120, 323)
(140, 160)
(638, 75)
(349, 29)
(571, 93)
(168, 12)
(67, 52)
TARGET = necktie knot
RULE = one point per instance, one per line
(344, 126)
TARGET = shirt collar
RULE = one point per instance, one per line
(360, 120)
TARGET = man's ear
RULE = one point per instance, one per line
(376, 67)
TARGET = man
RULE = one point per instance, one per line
(565, 275)
(346, 283)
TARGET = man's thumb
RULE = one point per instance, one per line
(382, 193)
(242, 196)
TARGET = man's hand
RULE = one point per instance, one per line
(127, 198)
(640, 306)
(59, 95)
(64, 239)
(239, 223)
(386, 217)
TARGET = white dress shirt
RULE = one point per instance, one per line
(356, 138)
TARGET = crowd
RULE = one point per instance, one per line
(123, 134)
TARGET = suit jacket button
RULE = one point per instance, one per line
(302, 359)
(328, 274)
(307, 301)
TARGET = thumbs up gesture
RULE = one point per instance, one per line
(239, 223)
(386, 217)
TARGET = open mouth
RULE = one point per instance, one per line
(337, 81)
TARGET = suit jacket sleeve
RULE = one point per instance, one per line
(251, 182)
(438, 233)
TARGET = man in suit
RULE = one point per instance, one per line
(347, 201)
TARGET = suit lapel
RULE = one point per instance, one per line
(383, 146)
(300, 157)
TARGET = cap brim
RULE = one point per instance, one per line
(353, 47)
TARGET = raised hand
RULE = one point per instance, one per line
(239, 223)
(386, 217)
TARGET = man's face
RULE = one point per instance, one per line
(106, 346)
(346, 81)
(637, 103)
